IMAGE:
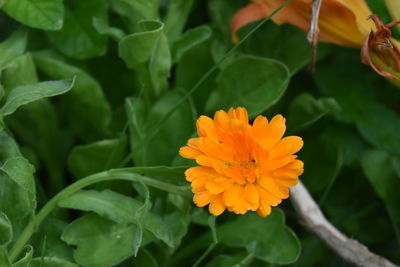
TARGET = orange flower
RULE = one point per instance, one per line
(243, 167)
(341, 22)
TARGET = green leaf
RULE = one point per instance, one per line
(269, 239)
(4, 260)
(145, 258)
(253, 82)
(21, 172)
(25, 261)
(380, 126)
(2, 2)
(78, 38)
(13, 47)
(118, 208)
(51, 262)
(164, 146)
(6, 233)
(147, 52)
(86, 99)
(177, 14)
(41, 14)
(23, 95)
(189, 40)
(103, 28)
(306, 110)
(238, 259)
(100, 242)
(380, 169)
(148, 9)
(20, 71)
(96, 157)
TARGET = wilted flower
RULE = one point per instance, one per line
(243, 167)
(380, 51)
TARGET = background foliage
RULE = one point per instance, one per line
(114, 69)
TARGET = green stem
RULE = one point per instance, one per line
(115, 174)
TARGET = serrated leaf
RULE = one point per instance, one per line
(23, 95)
(269, 239)
(253, 82)
(41, 14)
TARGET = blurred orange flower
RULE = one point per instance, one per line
(243, 167)
(342, 22)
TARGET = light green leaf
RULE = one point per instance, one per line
(118, 208)
(237, 259)
(177, 15)
(253, 82)
(103, 28)
(20, 71)
(148, 9)
(21, 172)
(78, 37)
(13, 47)
(23, 95)
(6, 233)
(41, 14)
(147, 52)
(2, 2)
(51, 262)
(269, 239)
(306, 110)
(100, 242)
(96, 157)
(189, 40)
(25, 261)
(86, 98)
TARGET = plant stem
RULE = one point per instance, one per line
(115, 174)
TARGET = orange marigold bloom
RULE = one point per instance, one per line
(243, 167)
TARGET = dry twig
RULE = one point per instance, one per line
(313, 32)
(312, 218)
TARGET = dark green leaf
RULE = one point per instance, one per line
(306, 110)
(178, 12)
(13, 47)
(6, 233)
(51, 262)
(86, 98)
(23, 95)
(380, 169)
(100, 242)
(253, 82)
(268, 239)
(118, 208)
(189, 40)
(96, 157)
(147, 52)
(25, 261)
(78, 37)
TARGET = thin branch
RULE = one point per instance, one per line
(313, 219)
(313, 32)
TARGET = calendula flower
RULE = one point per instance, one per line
(243, 167)
(381, 51)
